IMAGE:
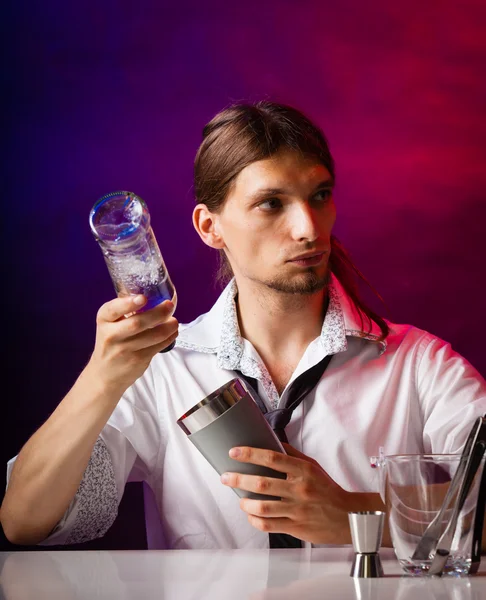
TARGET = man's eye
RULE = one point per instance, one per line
(270, 204)
(323, 195)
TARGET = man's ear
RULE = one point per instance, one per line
(206, 224)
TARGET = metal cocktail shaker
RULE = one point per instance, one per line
(229, 417)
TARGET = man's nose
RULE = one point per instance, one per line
(304, 226)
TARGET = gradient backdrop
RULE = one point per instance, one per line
(105, 95)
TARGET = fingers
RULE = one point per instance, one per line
(136, 339)
(269, 486)
(141, 329)
(150, 338)
(119, 307)
(268, 458)
(127, 340)
(154, 335)
(266, 508)
(276, 525)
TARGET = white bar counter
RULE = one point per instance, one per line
(307, 574)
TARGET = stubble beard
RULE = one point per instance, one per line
(306, 284)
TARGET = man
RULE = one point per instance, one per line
(264, 181)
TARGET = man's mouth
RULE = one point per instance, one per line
(311, 259)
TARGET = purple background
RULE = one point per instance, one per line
(112, 95)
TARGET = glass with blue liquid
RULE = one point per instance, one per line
(120, 222)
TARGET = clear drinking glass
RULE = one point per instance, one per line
(414, 487)
(120, 222)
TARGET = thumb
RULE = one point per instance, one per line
(119, 307)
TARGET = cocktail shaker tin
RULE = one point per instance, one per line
(227, 418)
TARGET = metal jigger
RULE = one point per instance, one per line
(366, 533)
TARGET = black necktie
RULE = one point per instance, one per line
(280, 417)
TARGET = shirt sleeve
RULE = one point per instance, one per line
(452, 394)
(126, 450)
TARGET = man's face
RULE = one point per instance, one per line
(276, 223)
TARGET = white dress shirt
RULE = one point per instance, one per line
(409, 394)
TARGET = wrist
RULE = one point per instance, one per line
(98, 381)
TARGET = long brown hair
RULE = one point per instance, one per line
(245, 133)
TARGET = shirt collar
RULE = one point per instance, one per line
(218, 332)
(354, 325)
